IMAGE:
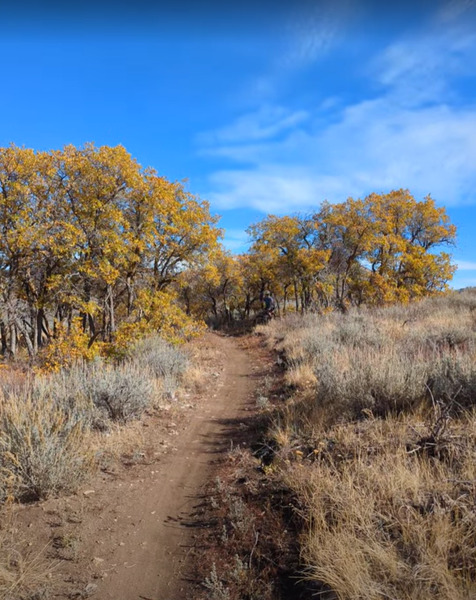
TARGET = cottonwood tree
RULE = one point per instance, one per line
(87, 232)
(383, 248)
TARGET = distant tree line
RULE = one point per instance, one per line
(382, 249)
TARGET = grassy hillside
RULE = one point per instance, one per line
(378, 445)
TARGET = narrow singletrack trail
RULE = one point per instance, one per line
(156, 521)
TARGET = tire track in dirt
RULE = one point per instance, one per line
(153, 560)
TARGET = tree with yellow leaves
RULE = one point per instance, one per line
(289, 243)
(84, 232)
(384, 248)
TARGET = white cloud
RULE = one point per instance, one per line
(421, 68)
(465, 265)
(314, 30)
(273, 189)
(417, 134)
(268, 122)
(375, 146)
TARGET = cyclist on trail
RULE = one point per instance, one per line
(269, 304)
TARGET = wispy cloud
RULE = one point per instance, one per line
(268, 189)
(415, 134)
(372, 147)
(421, 69)
(313, 31)
(465, 265)
(268, 122)
(453, 10)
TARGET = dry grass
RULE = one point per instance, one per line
(121, 441)
(56, 429)
(381, 449)
(203, 360)
(195, 379)
(301, 376)
(24, 574)
(384, 521)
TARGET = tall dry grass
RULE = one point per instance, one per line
(386, 436)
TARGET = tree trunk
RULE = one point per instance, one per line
(40, 327)
(23, 330)
(13, 340)
(130, 295)
(3, 337)
(112, 315)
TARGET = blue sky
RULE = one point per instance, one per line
(268, 110)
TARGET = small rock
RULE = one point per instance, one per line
(88, 492)
(90, 589)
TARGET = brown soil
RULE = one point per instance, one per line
(132, 532)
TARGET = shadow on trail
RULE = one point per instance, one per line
(247, 430)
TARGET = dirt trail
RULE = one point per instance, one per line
(138, 532)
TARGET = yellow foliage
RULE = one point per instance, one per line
(84, 231)
(68, 346)
(162, 314)
(156, 313)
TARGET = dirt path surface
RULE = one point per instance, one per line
(154, 562)
(131, 535)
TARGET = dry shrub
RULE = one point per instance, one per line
(122, 392)
(43, 449)
(453, 379)
(46, 421)
(160, 358)
(381, 449)
(118, 393)
(13, 381)
(386, 360)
